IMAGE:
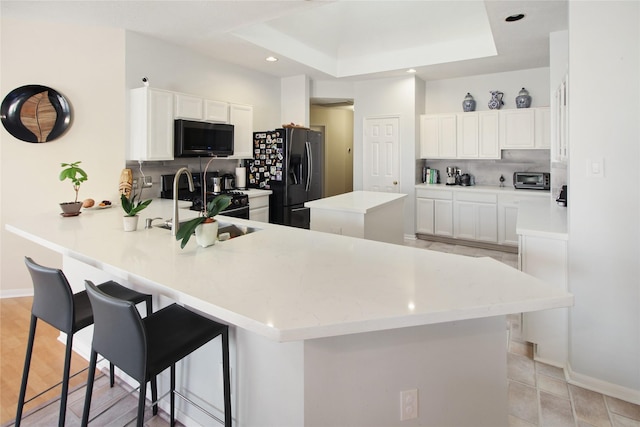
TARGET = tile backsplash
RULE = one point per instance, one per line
(488, 172)
(156, 169)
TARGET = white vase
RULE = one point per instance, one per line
(207, 234)
(130, 223)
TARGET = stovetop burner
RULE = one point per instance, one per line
(238, 199)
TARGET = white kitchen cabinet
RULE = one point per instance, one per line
(438, 136)
(525, 128)
(559, 122)
(508, 205)
(241, 117)
(475, 216)
(542, 133)
(517, 128)
(259, 208)
(151, 124)
(478, 135)
(546, 259)
(216, 111)
(434, 212)
(188, 107)
(192, 107)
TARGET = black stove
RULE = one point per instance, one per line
(238, 208)
(238, 199)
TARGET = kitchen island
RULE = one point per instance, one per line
(327, 330)
(370, 215)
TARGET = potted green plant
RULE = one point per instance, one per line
(205, 226)
(131, 209)
(77, 176)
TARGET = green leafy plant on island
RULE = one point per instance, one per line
(130, 207)
(214, 207)
(75, 174)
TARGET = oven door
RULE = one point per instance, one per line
(237, 212)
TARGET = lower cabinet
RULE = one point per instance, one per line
(546, 259)
(475, 217)
(508, 214)
(259, 206)
(434, 212)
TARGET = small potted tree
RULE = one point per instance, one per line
(205, 226)
(77, 176)
(131, 209)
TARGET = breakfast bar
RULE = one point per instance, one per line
(326, 330)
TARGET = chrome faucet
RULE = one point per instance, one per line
(175, 224)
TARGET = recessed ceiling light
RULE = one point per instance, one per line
(271, 59)
(514, 18)
(411, 70)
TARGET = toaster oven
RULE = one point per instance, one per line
(532, 180)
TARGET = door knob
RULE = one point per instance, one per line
(395, 182)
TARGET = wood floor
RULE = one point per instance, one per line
(46, 365)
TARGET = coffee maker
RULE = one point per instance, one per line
(452, 174)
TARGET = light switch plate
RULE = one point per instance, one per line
(595, 167)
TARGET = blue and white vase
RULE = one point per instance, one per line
(469, 104)
(523, 100)
(495, 103)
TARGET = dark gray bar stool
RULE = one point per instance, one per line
(143, 348)
(55, 303)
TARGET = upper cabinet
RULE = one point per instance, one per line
(151, 125)
(438, 136)
(477, 136)
(191, 107)
(188, 107)
(483, 134)
(525, 128)
(241, 117)
(152, 115)
(216, 111)
(560, 133)
(517, 128)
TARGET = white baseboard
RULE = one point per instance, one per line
(16, 293)
(603, 387)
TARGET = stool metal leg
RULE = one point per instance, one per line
(90, 379)
(25, 372)
(226, 377)
(65, 381)
(172, 396)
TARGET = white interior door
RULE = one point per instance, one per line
(381, 154)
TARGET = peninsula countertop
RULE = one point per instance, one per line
(292, 284)
(355, 201)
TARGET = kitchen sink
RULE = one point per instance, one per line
(234, 230)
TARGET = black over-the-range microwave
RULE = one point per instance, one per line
(202, 139)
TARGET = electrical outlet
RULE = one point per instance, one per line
(408, 405)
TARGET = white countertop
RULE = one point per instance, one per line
(542, 218)
(255, 192)
(356, 201)
(507, 189)
(291, 284)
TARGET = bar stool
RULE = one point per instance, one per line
(143, 348)
(55, 303)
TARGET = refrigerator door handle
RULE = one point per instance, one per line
(309, 164)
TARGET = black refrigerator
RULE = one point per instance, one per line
(290, 163)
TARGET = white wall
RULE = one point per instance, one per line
(66, 58)
(95, 80)
(446, 96)
(172, 67)
(604, 213)
(389, 97)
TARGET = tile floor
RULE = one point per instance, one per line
(538, 393)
